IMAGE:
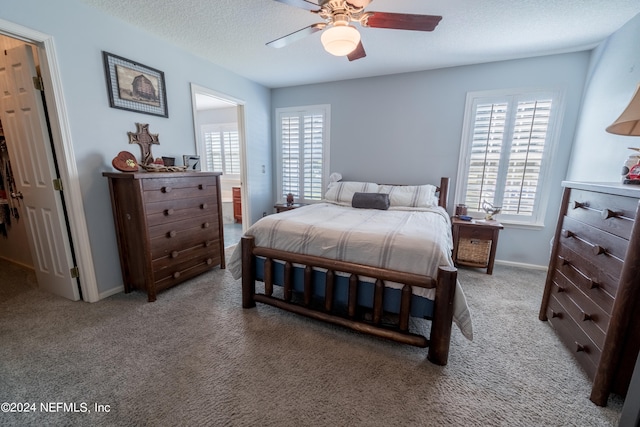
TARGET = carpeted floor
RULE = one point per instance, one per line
(195, 357)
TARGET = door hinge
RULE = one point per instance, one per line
(37, 83)
(75, 273)
(57, 184)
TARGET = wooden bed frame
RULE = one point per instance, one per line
(444, 284)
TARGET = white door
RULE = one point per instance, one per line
(25, 127)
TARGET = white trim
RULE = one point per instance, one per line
(242, 131)
(111, 292)
(522, 265)
(63, 145)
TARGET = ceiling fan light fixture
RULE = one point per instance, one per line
(340, 40)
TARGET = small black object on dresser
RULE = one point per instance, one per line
(592, 291)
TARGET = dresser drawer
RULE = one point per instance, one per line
(612, 213)
(574, 339)
(595, 246)
(590, 317)
(174, 258)
(587, 275)
(168, 277)
(164, 212)
(162, 190)
(173, 229)
(163, 246)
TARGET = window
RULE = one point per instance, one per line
(507, 145)
(222, 148)
(303, 152)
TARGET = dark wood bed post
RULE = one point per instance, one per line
(444, 192)
(442, 315)
(248, 272)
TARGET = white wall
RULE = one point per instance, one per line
(99, 132)
(406, 128)
(614, 74)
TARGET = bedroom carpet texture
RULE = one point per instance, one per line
(196, 358)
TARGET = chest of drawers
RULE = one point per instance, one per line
(168, 226)
(592, 291)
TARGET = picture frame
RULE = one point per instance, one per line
(135, 87)
(192, 162)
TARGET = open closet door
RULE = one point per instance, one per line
(25, 127)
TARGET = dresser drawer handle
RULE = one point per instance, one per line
(205, 225)
(168, 212)
(564, 261)
(567, 233)
(175, 254)
(561, 289)
(201, 186)
(204, 206)
(166, 189)
(593, 284)
(586, 316)
(176, 274)
(577, 204)
(207, 243)
(580, 347)
(209, 261)
(555, 314)
(172, 233)
(598, 250)
(608, 213)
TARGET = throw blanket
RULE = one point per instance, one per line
(414, 240)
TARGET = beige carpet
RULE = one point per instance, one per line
(195, 357)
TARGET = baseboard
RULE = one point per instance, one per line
(112, 291)
(522, 265)
(28, 267)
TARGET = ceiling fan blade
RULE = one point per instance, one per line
(302, 4)
(402, 21)
(357, 53)
(297, 35)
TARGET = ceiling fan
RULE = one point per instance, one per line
(342, 39)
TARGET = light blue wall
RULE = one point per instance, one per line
(614, 74)
(406, 128)
(99, 132)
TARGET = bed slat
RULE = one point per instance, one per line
(377, 301)
(328, 292)
(405, 308)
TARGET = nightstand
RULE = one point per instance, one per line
(475, 243)
(281, 207)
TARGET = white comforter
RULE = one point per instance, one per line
(415, 240)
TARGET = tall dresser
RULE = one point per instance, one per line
(168, 226)
(592, 291)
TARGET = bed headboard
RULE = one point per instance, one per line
(443, 192)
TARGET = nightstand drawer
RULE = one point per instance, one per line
(479, 233)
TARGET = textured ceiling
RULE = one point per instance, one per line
(233, 33)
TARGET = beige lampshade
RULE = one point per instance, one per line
(340, 40)
(629, 121)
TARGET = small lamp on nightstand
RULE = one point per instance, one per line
(629, 124)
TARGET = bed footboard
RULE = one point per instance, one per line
(441, 321)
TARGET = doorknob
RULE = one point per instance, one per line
(17, 195)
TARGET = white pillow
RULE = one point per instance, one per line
(342, 192)
(413, 196)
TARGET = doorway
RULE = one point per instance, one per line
(219, 130)
(60, 146)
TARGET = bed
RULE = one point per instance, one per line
(368, 257)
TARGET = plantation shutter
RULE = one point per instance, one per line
(506, 144)
(525, 160)
(303, 153)
(222, 149)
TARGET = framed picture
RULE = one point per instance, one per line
(135, 87)
(191, 162)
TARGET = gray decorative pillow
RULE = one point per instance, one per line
(371, 201)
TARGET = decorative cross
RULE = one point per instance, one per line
(144, 139)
